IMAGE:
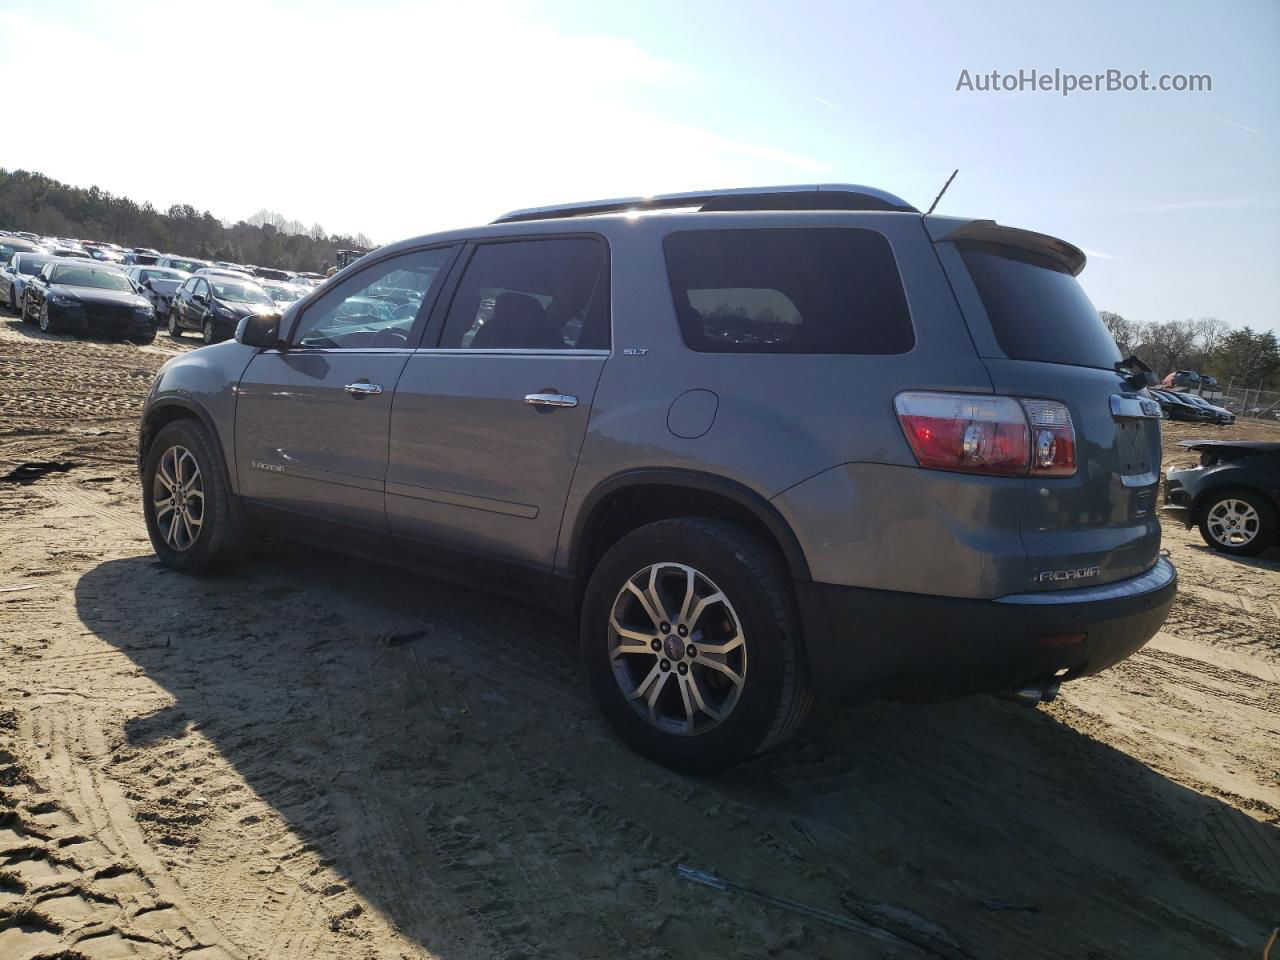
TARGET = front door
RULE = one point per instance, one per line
(488, 424)
(312, 419)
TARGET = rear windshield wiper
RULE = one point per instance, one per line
(1137, 373)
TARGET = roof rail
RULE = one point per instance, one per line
(814, 196)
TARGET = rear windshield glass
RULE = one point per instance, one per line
(825, 290)
(1037, 309)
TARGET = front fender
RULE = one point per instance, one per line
(202, 383)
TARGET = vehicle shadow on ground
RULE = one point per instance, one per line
(435, 750)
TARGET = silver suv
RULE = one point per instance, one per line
(765, 445)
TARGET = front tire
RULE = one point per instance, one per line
(1239, 522)
(692, 644)
(45, 322)
(207, 331)
(175, 331)
(191, 517)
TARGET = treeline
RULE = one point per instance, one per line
(34, 202)
(1246, 358)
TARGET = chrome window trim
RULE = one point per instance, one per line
(513, 351)
(444, 351)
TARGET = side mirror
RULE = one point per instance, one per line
(200, 298)
(260, 330)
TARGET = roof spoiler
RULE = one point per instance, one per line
(948, 229)
(816, 196)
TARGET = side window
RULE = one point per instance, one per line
(201, 289)
(377, 306)
(532, 295)
(797, 290)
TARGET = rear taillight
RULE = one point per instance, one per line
(1053, 438)
(976, 433)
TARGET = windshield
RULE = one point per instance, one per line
(89, 277)
(1038, 311)
(191, 266)
(159, 274)
(240, 292)
(283, 294)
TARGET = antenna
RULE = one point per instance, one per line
(942, 191)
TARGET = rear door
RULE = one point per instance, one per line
(312, 420)
(488, 424)
(1040, 337)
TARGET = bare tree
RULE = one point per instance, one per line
(1122, 331)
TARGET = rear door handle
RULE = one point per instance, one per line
(550, 400)
(363, 389)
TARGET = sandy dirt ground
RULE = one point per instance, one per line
(312, 758)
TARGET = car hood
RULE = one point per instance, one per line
(98, 295)
(1250, 446)
(241, 309)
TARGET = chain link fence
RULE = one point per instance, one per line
(1243, 401)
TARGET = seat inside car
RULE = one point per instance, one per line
(520, 323)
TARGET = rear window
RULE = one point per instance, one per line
(1037, 309)
(794, 290)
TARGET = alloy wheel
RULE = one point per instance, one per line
(1233, 523)
(208, 331)
(43, 319)
(677, 648)
(177, 493)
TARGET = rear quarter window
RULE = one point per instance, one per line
(1038, 310)
(788, 290)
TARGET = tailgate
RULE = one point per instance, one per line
(1040, 337)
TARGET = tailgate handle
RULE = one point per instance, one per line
(1129, 407)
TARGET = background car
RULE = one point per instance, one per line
(141, 255)
(105, 254)
(1220, 414)
(70, 253)
(283, 293)
(226, 272)
(11, 245)
(159, 284)
(270, 273)
(15, 273)
(185, 264)
(88, 298)
(214, 305)
(1233, 494)
(1179, 408)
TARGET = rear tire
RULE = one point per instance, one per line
(1240, 522)
(734, 682)
(206, 535)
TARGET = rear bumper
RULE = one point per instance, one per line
(864, 643)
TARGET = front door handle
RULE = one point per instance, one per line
(363, 389)
(550, 400)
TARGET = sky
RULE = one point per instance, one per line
(398, 119)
